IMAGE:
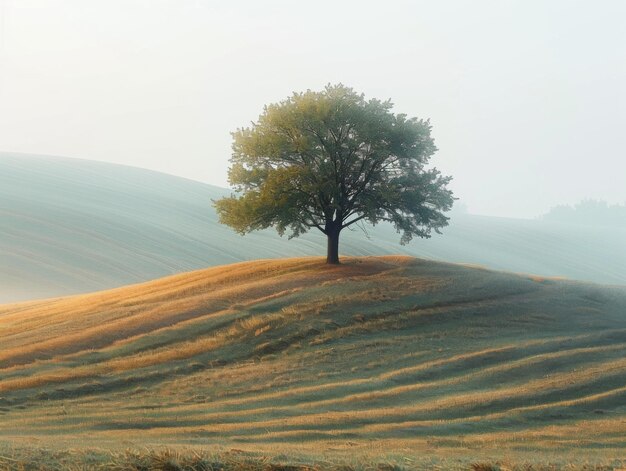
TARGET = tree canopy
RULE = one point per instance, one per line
(329, 159)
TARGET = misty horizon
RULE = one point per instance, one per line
(527, 100)
(553, 213)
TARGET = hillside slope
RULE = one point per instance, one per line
(385, 352)
(71, 226)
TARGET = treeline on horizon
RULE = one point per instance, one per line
(589, 212)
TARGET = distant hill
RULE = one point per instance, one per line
(70, 226)
(378, 354)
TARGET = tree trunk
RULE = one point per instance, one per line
(332, 252)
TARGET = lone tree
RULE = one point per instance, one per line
(330, 159)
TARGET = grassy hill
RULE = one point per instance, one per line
(71, 226)
(376, 355)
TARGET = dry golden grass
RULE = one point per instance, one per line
(279, 354)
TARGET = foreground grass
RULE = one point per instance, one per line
(168, 459)
(375, 356)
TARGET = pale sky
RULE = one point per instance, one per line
(527, 98)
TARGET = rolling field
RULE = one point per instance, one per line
(71, 226)
(379, 355)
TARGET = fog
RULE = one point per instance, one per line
(527, 98)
